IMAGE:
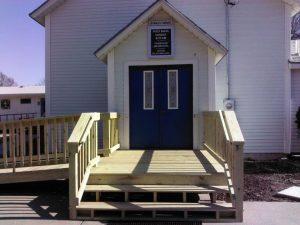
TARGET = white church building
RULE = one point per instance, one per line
(160, 64)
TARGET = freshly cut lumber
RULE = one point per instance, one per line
(156, 188)
(169, 162)
(149, 206)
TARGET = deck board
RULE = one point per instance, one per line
(156, 188)
(34, 173)
(159, 162)
(131, 206)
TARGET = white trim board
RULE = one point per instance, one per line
(111, 81)
(287, 82)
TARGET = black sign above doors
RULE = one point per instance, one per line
(160, 41)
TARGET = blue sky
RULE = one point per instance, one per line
(22, 42)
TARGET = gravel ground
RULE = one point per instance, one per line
(263, 179)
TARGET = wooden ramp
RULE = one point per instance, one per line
(157, 185)
(35, 149)
(34, 173)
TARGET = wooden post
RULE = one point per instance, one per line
(46, 143)
(96, 140)
(65, 141)
(22, 143)
(12, 146)
(30, 144)
(54, 139)
(38, 141)
(106, 136)
(4, 130)
(17, 139)
(73, 180)
(239, 180)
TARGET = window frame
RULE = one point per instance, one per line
(8, 100)
(177, 91)
(144, 90)
(25, 103)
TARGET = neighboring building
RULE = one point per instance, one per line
(214, 56)
(22, 102)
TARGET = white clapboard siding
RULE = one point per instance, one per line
(34, 108)
(76, 80)
(258, 62)
(295, 147)
(210, 16)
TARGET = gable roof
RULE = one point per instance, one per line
(50, 5)
(44, 9)
(164, 5)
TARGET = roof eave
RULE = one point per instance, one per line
(44, 9)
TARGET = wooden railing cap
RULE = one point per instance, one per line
(234, 130)
(81, 126)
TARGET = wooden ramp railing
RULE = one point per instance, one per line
(83, 151)
(35, 142)
(223, 137)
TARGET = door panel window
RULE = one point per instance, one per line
(148, 90)
(172, 89)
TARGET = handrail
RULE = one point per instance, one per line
(233, 127)
(83, 151)
(35, 142)
(223, 137)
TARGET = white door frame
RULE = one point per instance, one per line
(125, 143)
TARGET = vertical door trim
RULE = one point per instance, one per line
(111, 104)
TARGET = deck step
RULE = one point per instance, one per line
(157, 188)
(149, 206)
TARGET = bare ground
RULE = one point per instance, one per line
(263, 179)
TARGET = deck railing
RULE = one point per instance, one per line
(33, 142)
(223, 137)
(17, 116)
(83, 151)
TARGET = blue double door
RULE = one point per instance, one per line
(161, 107)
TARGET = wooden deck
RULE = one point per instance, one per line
(128, 184)
(171, 162)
